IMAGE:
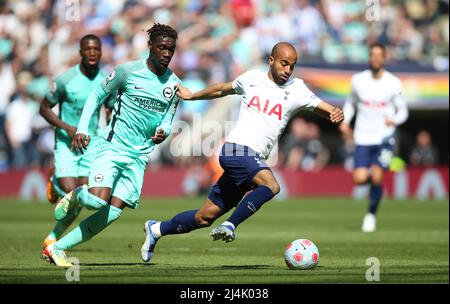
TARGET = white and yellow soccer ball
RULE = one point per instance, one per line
(301, 254)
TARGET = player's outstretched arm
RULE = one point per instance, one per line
(45, 109)
(332, 113)
(214, 91)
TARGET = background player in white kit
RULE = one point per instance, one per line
(268, 101)
(377, 96)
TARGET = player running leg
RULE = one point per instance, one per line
(380, 160)
(365, 157)
(265, 187)
(376, 187)
(61, 186)
(108, 194)
(91, 226)
(183, 222)
(223, 196)
(52, 193)
(70, 172)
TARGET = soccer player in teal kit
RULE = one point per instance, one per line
(142, 116)
(70, 90)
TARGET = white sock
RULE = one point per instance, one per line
(229, 224)
(156, 229)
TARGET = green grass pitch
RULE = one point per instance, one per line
(412, 245)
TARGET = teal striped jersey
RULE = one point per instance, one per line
(71, 90)
(145, 102)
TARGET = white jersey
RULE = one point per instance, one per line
(375, 100)
(266, 108)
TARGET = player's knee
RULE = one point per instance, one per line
(67, 187)
(360, 179)
(376, 177)
(269, 181)
(204, 220)
(376, 180)
(274, 187)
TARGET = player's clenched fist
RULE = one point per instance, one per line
(80, 142)
(159, 137)
(336, 115)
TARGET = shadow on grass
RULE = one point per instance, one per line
(240, 267)
(222, 267)
(115, 264)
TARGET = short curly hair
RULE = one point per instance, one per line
(378, 45)
(90, 37)
(163, 30)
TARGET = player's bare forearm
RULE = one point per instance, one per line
(214, 91)
(330, 112)
(45, 110)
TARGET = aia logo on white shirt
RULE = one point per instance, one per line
(268, 108)
(375, 104)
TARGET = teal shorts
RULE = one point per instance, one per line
(119, 170)
(69, 164)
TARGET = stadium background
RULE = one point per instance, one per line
(218, 40)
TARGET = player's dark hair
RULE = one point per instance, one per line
(90, 37)
(162, 30)
(378, 45)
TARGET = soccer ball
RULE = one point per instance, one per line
(301, 254)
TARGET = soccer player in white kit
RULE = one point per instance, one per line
(376, 95)
(268, 101)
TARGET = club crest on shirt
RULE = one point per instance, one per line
(167, 92)
(110, 77)
(98, 178)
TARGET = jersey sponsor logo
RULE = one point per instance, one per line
(167, 92)
(276, 110)
(153, 105)
(374, 104)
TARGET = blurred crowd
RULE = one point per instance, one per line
(218, 40)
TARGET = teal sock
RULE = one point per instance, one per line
(89, 227)
(57, 186)
(87, 199)
(62, 225)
